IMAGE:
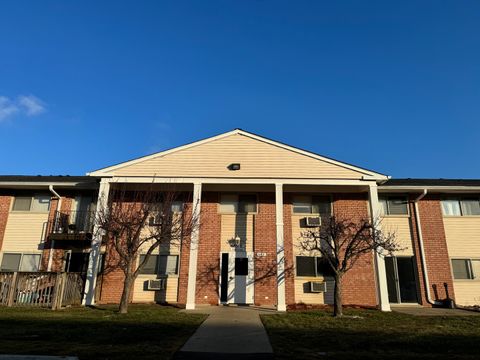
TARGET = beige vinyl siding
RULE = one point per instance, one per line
(467, 292)
(302, 294)
(24, 232)
(258, 159)
(463, 236)
(140, 294)
(240, 225)
(400, 225)
(463, 241)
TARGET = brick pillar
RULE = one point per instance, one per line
(265, 242)
(435, 247)
(288, 244)
(208, 263)
(5, 201)
(358, 283)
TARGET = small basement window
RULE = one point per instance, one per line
(466, 269)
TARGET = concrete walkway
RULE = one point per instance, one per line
(424, 311)
(230, 332)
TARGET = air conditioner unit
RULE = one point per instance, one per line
(157, 284)
(155, 221)
(318, 286)
(313, 221)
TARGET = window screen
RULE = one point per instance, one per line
(11, 262)
(30, 262)
(22, 203)
(228, 203)
(397, 206)
(321, 205)
(151, 266)
(247, 203)
(323, 267)
(168, 264)
(470, 207)
(461, 269)
(302, 205)
(451, 207)
(476, 268)
(41, 203)
(306, 266)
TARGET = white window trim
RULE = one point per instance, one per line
(31, 204)
(386, 197)
(21, 258)
(162, 275)
(219, 205)
(311, 204)
(459, 200)
(475, 276)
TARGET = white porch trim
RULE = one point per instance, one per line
(92, 270)
(381, 274)
(192, 262)
(281, 304)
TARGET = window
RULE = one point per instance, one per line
(20, 262)
(242, 204)
(313, 266)
(312, 205)
(461, 207)
(393, 205)
(466, 269)
(37, 203)
(160, 264)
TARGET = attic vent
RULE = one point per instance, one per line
(233, 167)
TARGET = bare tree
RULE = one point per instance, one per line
(139, 222)
(341, 242)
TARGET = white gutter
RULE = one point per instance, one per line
(422, 251)
(59, 206)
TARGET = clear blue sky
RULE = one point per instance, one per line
(391, 86)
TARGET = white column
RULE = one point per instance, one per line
(92, 270)
(192, 263)
(281, 305)
(381, 274)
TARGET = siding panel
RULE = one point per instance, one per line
(257, 158)
(24, 231)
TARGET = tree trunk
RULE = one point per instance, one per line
(337, 300)
(127, 290)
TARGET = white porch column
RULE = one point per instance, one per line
(92, 270)
(381, 274)
(192, 263)
(281, 305)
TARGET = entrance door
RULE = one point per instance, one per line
(401, 281)
(237, 274)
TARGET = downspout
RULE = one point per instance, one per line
(422, 250)
(59, 206)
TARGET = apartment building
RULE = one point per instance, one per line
(256, 197)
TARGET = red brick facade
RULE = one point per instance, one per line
(5, 201)
(359, 284)
(435, 248)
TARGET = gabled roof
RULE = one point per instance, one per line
(111, 170)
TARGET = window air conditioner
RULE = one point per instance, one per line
(318, 286)
(157, 284)
(313, 221)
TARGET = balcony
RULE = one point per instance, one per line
(72, 225)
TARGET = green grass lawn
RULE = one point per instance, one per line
(146, 332)
(376, 335)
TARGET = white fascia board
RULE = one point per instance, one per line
(182, 180)
(107, 170)
(430, 188)
(9, 184)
